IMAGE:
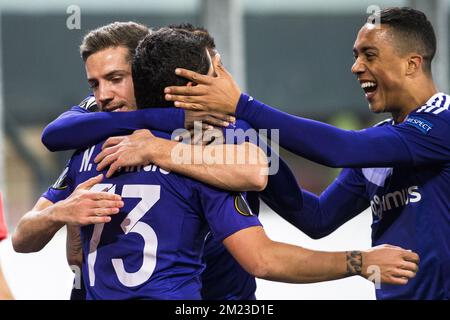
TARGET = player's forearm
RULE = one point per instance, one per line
(276, 261)
(288, 263)
(324, 143)
(232, 167)
(74, 251)
(35, 230)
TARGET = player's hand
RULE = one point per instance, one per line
(207, 119)
(394, 264)
(201, 136)
(220, 93)
(85, 207)
(131, 150)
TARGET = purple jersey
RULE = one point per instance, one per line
(153, 248)
(223, 278)
(411, 204)
(402, 171)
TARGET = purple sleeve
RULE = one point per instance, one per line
(426, 136)
(240, 132)
(324, 143)
(226, 212)
(61, 189)
(79, 128)
(340, 202)
(282, 193)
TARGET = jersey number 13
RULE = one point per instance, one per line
(149, 195)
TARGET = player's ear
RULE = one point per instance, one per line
(414, 64)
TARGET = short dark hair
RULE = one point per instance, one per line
(200, 31)
(156, 59)
(413, 29)
(125, 34)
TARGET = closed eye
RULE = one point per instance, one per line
(370, 55)
(116, 79)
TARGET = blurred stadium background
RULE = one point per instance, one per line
(292, 54)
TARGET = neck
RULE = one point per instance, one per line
(417, 96)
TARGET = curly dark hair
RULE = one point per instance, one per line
(412, 29)
(200, 31)
(156, 58)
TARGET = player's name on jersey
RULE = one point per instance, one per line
(87, 164)
(147, 168)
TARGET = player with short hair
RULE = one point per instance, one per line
(223, 277)
(153, 247)
(221, 267)
(253, 291)
(400, 168)
(38, 226)
(34, 229)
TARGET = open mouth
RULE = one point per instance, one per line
(369, 88)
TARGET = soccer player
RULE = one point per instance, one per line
(153, 248)
(223, 278)
(39, 225)
(403, 169)
(67, 189)
(90, 128)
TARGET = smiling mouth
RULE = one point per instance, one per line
(122, 108)
(117, 108)
(370, 88)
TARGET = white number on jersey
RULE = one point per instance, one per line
(149, 195)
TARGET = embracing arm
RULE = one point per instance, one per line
(243, 176)
(283, 262)
(248, 176)
(327, 144)
(313, 140)
(78, 128)
(217, 165)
